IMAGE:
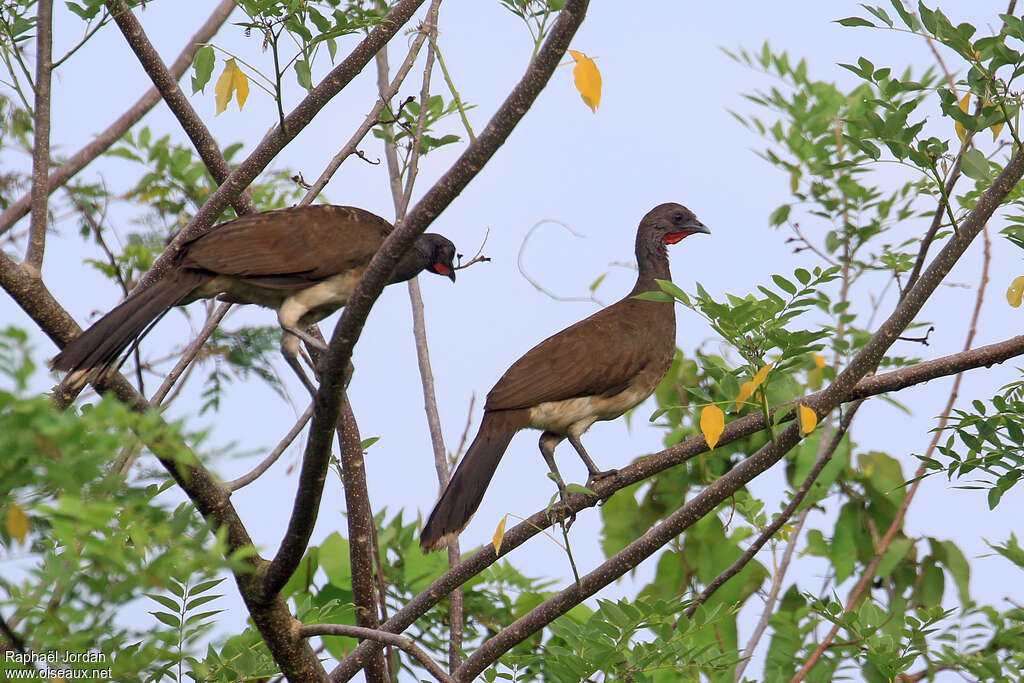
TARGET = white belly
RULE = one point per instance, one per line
(580, 413)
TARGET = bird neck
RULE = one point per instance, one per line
(652, 263)
(414, 261)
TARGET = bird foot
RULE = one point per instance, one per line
(595, 477)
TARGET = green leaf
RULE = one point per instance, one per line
(202, 65)
(303, 75)
(653, 296)
(784, 284)
(974, 164)
(168, 619)
(854, 21)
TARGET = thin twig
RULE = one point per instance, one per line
(403, 642)
(41, 140)
(191, 352)
(539, 287)
(370, 121)
(272, 457)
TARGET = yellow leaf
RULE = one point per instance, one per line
(996, 129)
(17, 522)
(499, 534)
(712, 422)
(808, 419)
(965, 101)
(819, 360)
(588, 79)
(1016, 291)
(748, 388)
(232, 81)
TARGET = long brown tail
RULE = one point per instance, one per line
(98, 349)
(466, 489)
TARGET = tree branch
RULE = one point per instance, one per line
(167, 84)
(406, 643)
(41, 139)
(361, 528)
(99, 144)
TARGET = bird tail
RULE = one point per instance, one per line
(464, 492)
(94, 352)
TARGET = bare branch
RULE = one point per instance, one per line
(404, 642)
(41, 139)
(272, 457)
(100, 143)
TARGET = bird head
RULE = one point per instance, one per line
(442, 255)
(431, 252)
(671, 222)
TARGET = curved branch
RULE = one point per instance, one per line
(404, 642)
(99, 144)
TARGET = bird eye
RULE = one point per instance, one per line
(678, 217)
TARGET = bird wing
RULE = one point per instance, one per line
(598, 356)
(299, 243)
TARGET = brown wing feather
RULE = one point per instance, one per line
(597, 356)
(304, 242)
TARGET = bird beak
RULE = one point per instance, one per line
(689, 228)
(443, 269)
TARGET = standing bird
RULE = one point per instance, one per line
(594, 370)
(303, 261)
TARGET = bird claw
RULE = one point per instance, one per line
(595, 477)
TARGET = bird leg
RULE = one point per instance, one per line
(290, 351)
(317, 344)
(595, 473)
(548, 442)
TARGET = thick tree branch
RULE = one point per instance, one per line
(99, 144)
(361, 528)
(41, 139)
(179, 105)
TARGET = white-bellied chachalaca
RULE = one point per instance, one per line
(303, 261)
(594, 370)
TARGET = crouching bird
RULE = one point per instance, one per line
(304, 262)
(594, 370)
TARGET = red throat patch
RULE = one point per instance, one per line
(673, 237)
(441, 269)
